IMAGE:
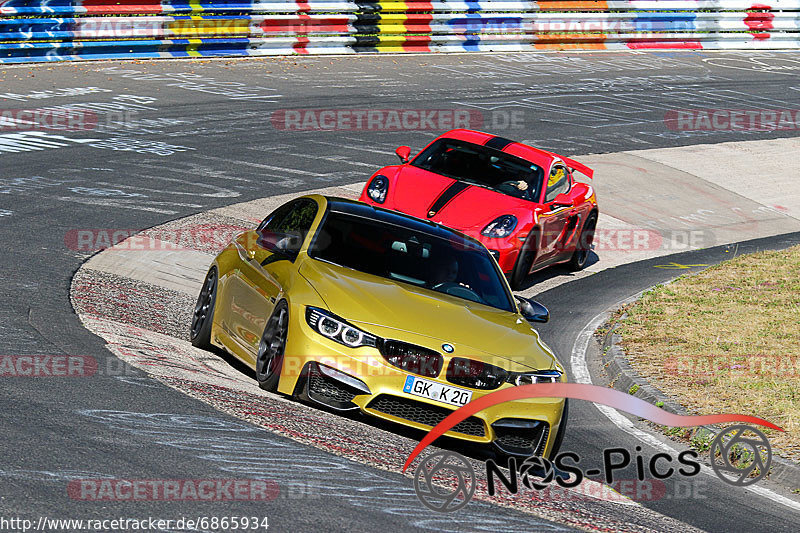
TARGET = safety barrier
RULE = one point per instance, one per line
(48, 30)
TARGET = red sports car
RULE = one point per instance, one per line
(521, 202)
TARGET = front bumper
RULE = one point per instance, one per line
(344, 379)
(505, 254)
(505, 250)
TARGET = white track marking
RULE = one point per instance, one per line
(358, 148)
(130, 203)
(580, 371)
(285, 170)
(338, 159)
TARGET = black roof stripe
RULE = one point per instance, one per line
(360, 209)
(447, 195)
(498, 143)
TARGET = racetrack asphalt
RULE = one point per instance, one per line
(182, 147)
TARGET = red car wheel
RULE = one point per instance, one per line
(581, 254)
(524, 262)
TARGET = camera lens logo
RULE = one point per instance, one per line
(444, 481)
(536, 466)
(737, 452)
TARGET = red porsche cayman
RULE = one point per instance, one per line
(521, 202)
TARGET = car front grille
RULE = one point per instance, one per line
(423, 413)
(475, 374)
(412, 358)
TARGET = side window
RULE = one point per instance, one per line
(274, 218)
(292, 220)
(557, 183)
(298, 219)
(295, 217)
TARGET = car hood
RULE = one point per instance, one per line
(403, 311)
(415, 191)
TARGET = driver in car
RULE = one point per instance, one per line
(446, 272)
(515, 187)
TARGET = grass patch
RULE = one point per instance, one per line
(726, 340)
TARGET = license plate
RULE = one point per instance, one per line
(437, 391)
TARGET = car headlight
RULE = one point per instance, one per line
(337, 329)
(500, 227)
(378, 188)
(537, 376)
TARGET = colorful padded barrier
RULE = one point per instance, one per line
(54, 30)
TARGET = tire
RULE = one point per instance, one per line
(203, 316)
(523, 264)
(581, 254)
(269, 361)
(562, 428)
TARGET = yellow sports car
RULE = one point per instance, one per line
(355, 307)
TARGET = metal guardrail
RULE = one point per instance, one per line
(48, 30)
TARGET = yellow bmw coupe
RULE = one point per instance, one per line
(355, 307)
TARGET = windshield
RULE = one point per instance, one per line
(458, 266)
(479, 165)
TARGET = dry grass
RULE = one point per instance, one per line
(726, 340)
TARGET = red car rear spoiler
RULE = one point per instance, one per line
(580, 167)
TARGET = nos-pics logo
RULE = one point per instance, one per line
(445, 481)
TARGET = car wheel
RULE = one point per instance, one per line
(269, 360)
(203, 316)
(562, 428)
(581, 253)
(523, 264)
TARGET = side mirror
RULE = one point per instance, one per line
(279, 244)
(403, 153)
(284, 245)
(533, 311)
(562, 200)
